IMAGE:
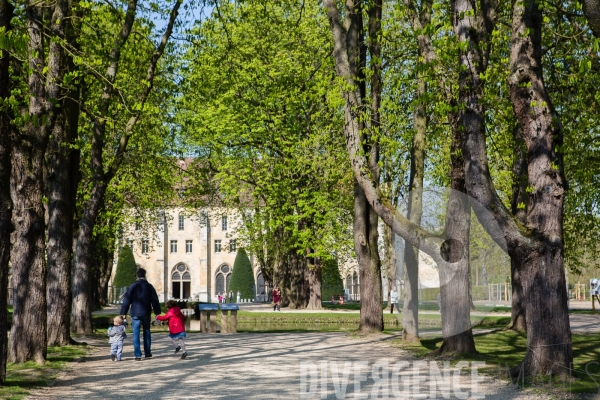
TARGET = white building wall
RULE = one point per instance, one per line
(203, 261)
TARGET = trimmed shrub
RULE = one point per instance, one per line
(126, 268)
(332, 284)
(242, 277)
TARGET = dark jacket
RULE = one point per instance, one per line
(142, 298)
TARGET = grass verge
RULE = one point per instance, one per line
(504, 349)
(21, 378)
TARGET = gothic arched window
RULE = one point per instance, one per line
(180, 282)
(223, 277)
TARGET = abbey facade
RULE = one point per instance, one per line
(190, 255)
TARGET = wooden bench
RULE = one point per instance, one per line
(229, 322)
(208, 313)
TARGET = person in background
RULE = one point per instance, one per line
(231, 296)
(142, 298)
(394, 300)
(239, 296)
(276, 299)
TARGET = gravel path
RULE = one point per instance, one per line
(268, 366)
(279, 366)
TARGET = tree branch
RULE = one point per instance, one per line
(143, 97)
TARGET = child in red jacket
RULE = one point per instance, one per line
(176, 326)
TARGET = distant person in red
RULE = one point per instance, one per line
(276, 299)
(176, 326)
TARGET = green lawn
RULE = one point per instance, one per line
(20, 378)
(504, 349)
(272, 317)
(426, 306)
(329, 320)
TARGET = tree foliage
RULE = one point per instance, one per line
(332, 281)
(126, 267)
(260, 113)
(242, 277)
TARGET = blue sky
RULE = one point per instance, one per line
(189, 13)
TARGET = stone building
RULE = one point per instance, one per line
(191, 254)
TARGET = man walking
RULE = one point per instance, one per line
(142, 298)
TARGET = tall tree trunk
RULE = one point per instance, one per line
(410, 317)
(542, 272)
(389, 241)
(313, 278)
(365, 218)
(6, 227)
(454, 279)
(296, 283)
(28, 259)
(473, 29)
(351, 47)
(103, 259)
(105, 271)
(372, 307)
(81, 317)
(81, 313)
(60, 236)
(365, 246)
(61, 190)
(518, 205)
(455, 273)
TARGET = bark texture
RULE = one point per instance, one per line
(410, 317)
(542, 272)
(313, 277)
(81, 311)
(351, 58)
(28, 259)
(291, 276)
(365, 246)
(61, 186)
(419, 16)
(591, 10)
(389, 268)
(366, 235)
(473, 28)
(454, 276)
(104, 247)
(6, 227)
(519, 209)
